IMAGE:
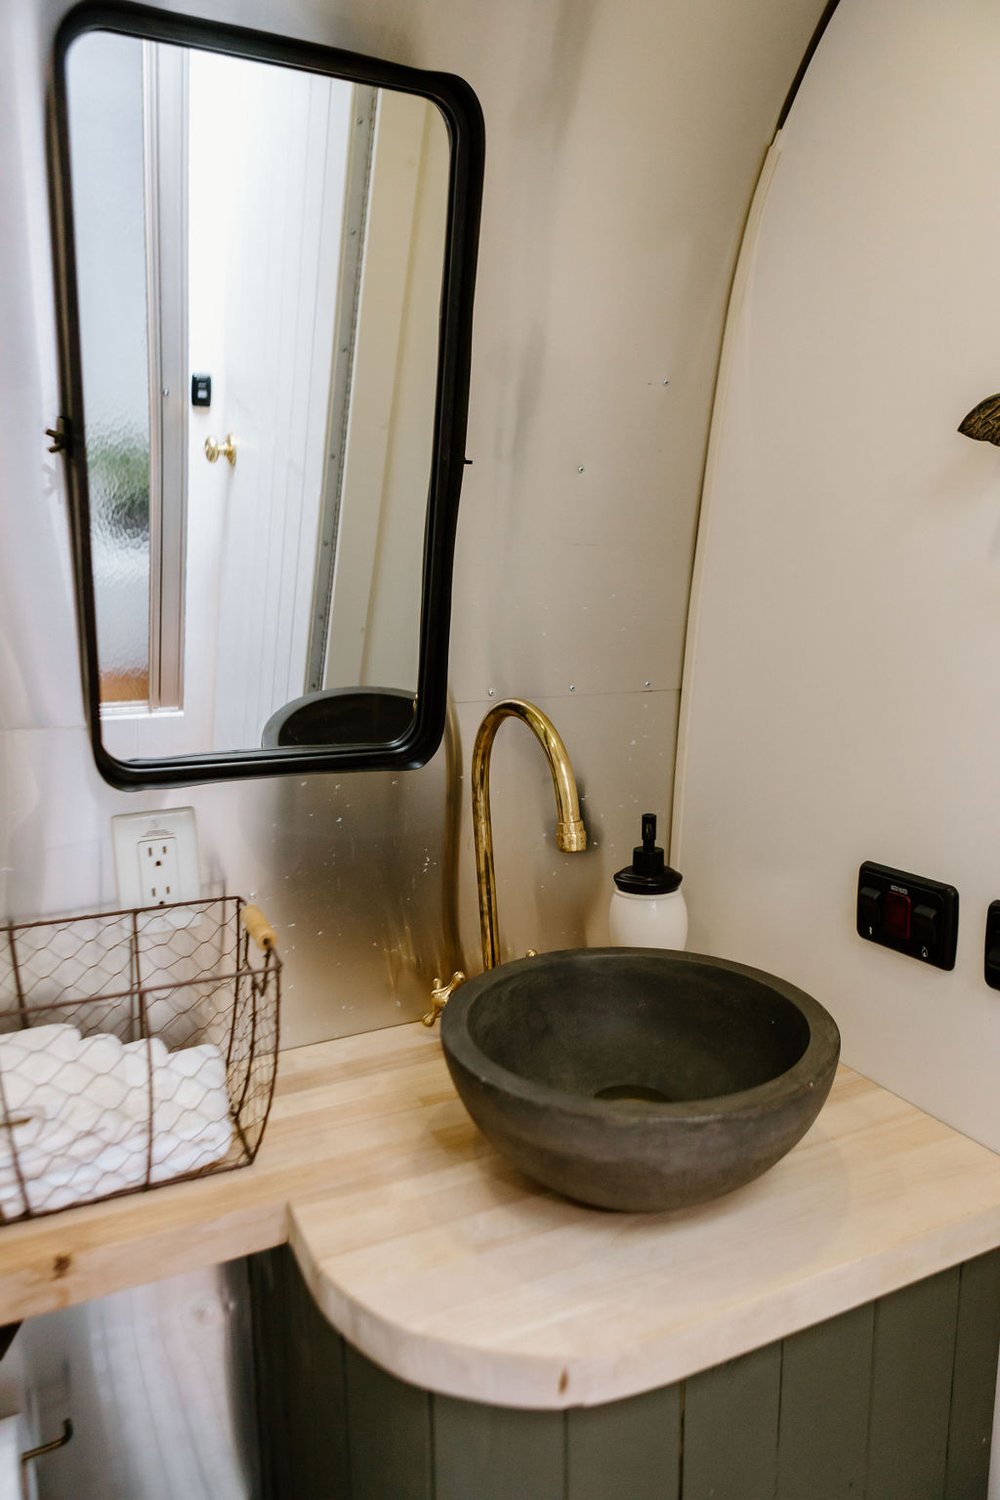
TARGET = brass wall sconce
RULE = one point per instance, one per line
(983, 421)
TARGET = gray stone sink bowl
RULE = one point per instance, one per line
(636, 1078)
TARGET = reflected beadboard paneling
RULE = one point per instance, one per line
(609, 235)
(157, 1382)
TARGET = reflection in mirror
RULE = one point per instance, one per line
(259, 257)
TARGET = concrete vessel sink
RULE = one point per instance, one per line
(635, 1078)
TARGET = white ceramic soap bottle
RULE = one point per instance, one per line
(648, 909)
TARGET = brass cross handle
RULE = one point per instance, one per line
(440, 995)
(226, 449)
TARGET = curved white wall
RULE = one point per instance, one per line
(842, 696)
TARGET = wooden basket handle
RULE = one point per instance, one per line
(259, 928)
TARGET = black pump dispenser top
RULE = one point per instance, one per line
(648, 875)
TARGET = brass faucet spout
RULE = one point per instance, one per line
(571, 836)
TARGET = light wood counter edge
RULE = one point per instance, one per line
(89, 1252)
(501, 1378)
(419, 1347)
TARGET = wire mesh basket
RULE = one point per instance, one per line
(136, 1048)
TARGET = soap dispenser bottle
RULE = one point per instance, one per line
(648, 909)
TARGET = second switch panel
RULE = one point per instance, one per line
(910, 913)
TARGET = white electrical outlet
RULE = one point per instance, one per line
(159, 870)
(156, 856)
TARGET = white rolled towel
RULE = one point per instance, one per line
(43, 1146)
(206, 1143)
(36, 1038)
(192, 1083)
(148, 1051)
(56, 1057)
(113, 1170)
(80, 1109)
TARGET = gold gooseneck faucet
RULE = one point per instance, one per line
(571, 835)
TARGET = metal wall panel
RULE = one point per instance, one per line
(609, 235)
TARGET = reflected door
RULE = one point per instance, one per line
(267, 197)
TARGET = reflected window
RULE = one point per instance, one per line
(110, 126)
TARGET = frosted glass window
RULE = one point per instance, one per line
(106, 96)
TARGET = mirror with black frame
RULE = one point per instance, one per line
(266, 257)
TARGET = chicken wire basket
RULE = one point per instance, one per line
(137, 1048)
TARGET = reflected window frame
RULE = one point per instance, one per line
(154, 509)
(464, 123)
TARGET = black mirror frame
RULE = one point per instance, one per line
(464, 119)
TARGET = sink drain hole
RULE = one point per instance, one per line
(633, 1091)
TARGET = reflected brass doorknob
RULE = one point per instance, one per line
(226, 449)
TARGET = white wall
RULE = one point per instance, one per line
(623, 140)
(839, 696)
(391, 654)
(374, 629)
(841, 703)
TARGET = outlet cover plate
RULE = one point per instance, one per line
(130, 832)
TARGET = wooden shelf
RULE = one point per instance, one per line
(445, 1266)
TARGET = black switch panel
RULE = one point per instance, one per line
(914, 915)
(991, 958)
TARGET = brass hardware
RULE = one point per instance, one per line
(571, 836)
(59, 1442)
(226, 449)
(983, 421)
(440, 995)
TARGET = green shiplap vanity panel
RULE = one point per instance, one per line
(973, 1392)
(495, 1453)
(297, 1355)
(731, 1428)
(825, 1394)
(912, 1373)
(388, 1434)
(890, 1401)
(628, 1448)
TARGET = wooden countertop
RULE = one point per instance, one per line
(443, 1264)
